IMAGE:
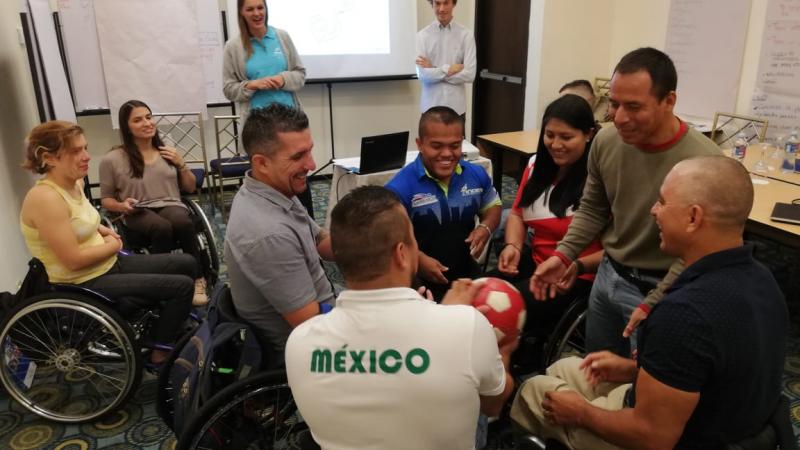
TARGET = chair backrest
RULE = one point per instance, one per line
(602, 86)
(184, 131)
(727, 126)
(226, 133)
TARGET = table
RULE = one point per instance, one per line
(515, 144)
(765, 197)
(344, 181)
(752, 156)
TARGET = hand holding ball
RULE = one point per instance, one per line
(506, 308)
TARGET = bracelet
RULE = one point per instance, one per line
(579, 265)
(519, 249)
(483, 225)
(182, 166)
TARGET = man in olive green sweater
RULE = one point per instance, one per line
(627, 165)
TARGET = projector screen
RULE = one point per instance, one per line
(350, 39)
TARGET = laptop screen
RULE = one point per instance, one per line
(384, 152)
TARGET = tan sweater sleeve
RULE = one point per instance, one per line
(657, 294)
(593, 214)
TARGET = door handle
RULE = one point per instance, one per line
(486, 75)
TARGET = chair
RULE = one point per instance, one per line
(727, 126)
(71, 354)
(185, 132)
(231, 162)
(205, 239)
(255, 409)
(601, 87)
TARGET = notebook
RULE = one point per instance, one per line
(786, 212)
(384, 152)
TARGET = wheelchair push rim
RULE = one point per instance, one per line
(257, 412)
(68, 358)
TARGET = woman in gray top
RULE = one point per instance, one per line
(142, 179)
(261, 65)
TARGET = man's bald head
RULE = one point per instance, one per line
(718, 184)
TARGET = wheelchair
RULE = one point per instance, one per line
(251, 411)
(70, 354)
(206, 240)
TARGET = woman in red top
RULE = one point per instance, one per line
(549, 192)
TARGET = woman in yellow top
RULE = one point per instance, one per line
(62, 229)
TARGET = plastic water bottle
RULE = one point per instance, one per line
(790, 153)
(740, 147)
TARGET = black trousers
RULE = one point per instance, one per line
(162, 281)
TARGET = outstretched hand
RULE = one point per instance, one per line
(544, 282)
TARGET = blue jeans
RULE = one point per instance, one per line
(611, 302)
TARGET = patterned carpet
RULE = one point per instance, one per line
(137, 426)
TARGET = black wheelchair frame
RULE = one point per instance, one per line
(68, 353)
(257, 411)
(206, 239)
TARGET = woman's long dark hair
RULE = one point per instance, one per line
(128, 143)
(575, 112)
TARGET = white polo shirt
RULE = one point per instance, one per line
(387, 369)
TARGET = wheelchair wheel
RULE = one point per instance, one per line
(165, 394)
(255, 413)
(206, 241)
(68, 357)
(569, 336)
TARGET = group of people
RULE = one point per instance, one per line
(686, 332)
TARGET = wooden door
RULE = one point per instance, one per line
(501, 37)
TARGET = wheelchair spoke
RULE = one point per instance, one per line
(85, 339)
(111, 380)
(72, 325)
(31, 335)
(35, 315)
(100, 388)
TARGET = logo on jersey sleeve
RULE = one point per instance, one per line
(423, 199)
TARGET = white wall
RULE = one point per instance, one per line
(17, 116)
(360, 109)
(572, 39)
(568, 40)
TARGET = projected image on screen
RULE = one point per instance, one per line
(334, 27)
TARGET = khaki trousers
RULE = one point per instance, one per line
(565, 375)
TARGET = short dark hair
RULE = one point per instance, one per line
(439, 114)
(260, 131)
(657, 64)
(578, 83)
(366, 225)
(455, 2)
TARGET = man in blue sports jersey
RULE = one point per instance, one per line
(443, 195)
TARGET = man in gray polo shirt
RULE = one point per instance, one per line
(272, 246)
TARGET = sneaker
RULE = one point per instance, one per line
(200, 298)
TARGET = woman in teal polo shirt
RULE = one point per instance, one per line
(261, 65)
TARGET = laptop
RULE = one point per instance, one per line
(786, 212)
(382, 153)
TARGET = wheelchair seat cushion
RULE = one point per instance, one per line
(231, 167)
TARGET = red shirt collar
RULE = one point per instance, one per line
(682, 130)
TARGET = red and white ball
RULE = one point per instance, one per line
(506, 308)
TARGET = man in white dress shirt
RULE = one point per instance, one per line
(446, 60)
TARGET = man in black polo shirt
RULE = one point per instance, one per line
(712, 351)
